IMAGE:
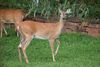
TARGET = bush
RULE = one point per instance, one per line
(82, 9)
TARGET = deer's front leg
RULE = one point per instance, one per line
(58, 43)
(52, 48)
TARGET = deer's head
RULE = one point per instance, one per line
(62, 14)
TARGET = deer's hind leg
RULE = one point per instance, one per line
(24, 46)
(20, 46)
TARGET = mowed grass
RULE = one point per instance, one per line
(76, 50)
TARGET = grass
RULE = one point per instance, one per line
(77, 50)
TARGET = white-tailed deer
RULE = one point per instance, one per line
(31, 29)
(11, 16)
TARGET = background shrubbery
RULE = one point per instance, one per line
(46, 8)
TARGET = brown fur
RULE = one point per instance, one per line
(40, 28)
(11, 15)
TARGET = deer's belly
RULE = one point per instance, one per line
(40, 37)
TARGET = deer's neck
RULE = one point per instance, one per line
(61, 24)
(61, 21)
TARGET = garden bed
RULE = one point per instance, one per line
(92, 29)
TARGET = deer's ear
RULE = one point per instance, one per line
(60, 10)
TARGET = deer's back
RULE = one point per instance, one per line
(11, 15)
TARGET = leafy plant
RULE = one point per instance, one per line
(83, 11)
(47, 8)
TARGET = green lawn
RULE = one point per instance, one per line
(77, 50)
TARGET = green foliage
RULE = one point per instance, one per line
(46, 8)
(94, 11)
(82, 11)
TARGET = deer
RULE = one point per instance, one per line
(12, 16)
(48, 31)
(9, 16)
